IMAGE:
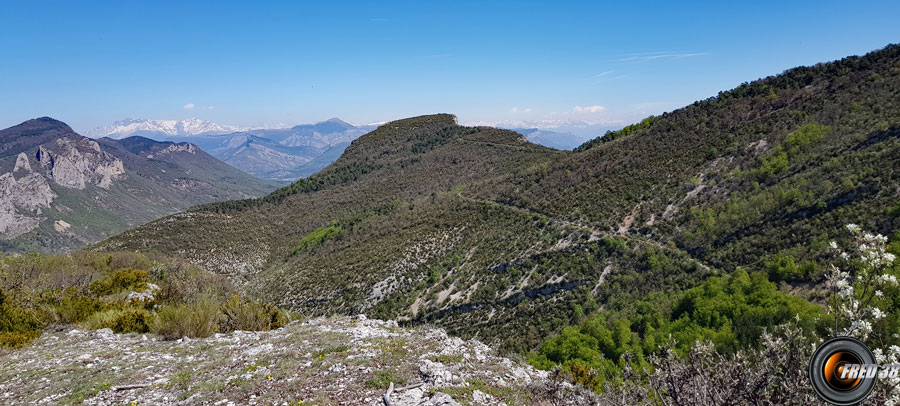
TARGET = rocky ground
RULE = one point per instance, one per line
(324, 361)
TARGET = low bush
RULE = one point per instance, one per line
(73, 308)
(120, 320)
(124, 279)
(103, 319)
(18, 326)
(15, 339)
(191, 285)
(382, 378)
(195, 320)
(132, 321)
(17, 319)
(247, 315)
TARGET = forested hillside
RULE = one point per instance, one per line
(477, 230)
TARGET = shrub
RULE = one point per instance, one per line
(15, 339)
(382, 378)
(318, 237)
(132, 321)
(124, 279)
(74, 308)
(101, 319)
(614, 244)
(17, 319)
(191, 285)
(18, 326)
(195, 320)
(240, 314)
(783, 267)
(806, 135)
(774, 164)
(584, 375)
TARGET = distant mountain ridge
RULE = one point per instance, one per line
(552, 139)
(60, 190)
(278, 154)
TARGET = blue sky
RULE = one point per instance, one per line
(529, 63)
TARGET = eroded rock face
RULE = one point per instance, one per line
(77, 163)
(21, 200)
(182, 147)
(22, 163)
(74, 163)
(61, 226)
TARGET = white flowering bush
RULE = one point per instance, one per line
(862, 285)
(863, 288)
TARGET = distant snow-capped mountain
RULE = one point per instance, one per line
(161, 128)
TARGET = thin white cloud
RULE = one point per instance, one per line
(518, 110)
(189, 106)
(211, 108)
(652, 56)
(589, 109)
(602, 74)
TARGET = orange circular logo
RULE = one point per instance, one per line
(834, 368)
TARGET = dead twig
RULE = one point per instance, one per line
(387, 395)
(408, 387)
(130, 387)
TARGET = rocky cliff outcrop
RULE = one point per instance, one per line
(79, 162)
(69, 162)
(22, 198)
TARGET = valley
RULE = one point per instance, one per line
(699, 255)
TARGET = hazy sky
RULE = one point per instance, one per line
(91, 63)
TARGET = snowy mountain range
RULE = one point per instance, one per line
(161, 128)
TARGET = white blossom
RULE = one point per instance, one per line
(860, 328)
(879, 356)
